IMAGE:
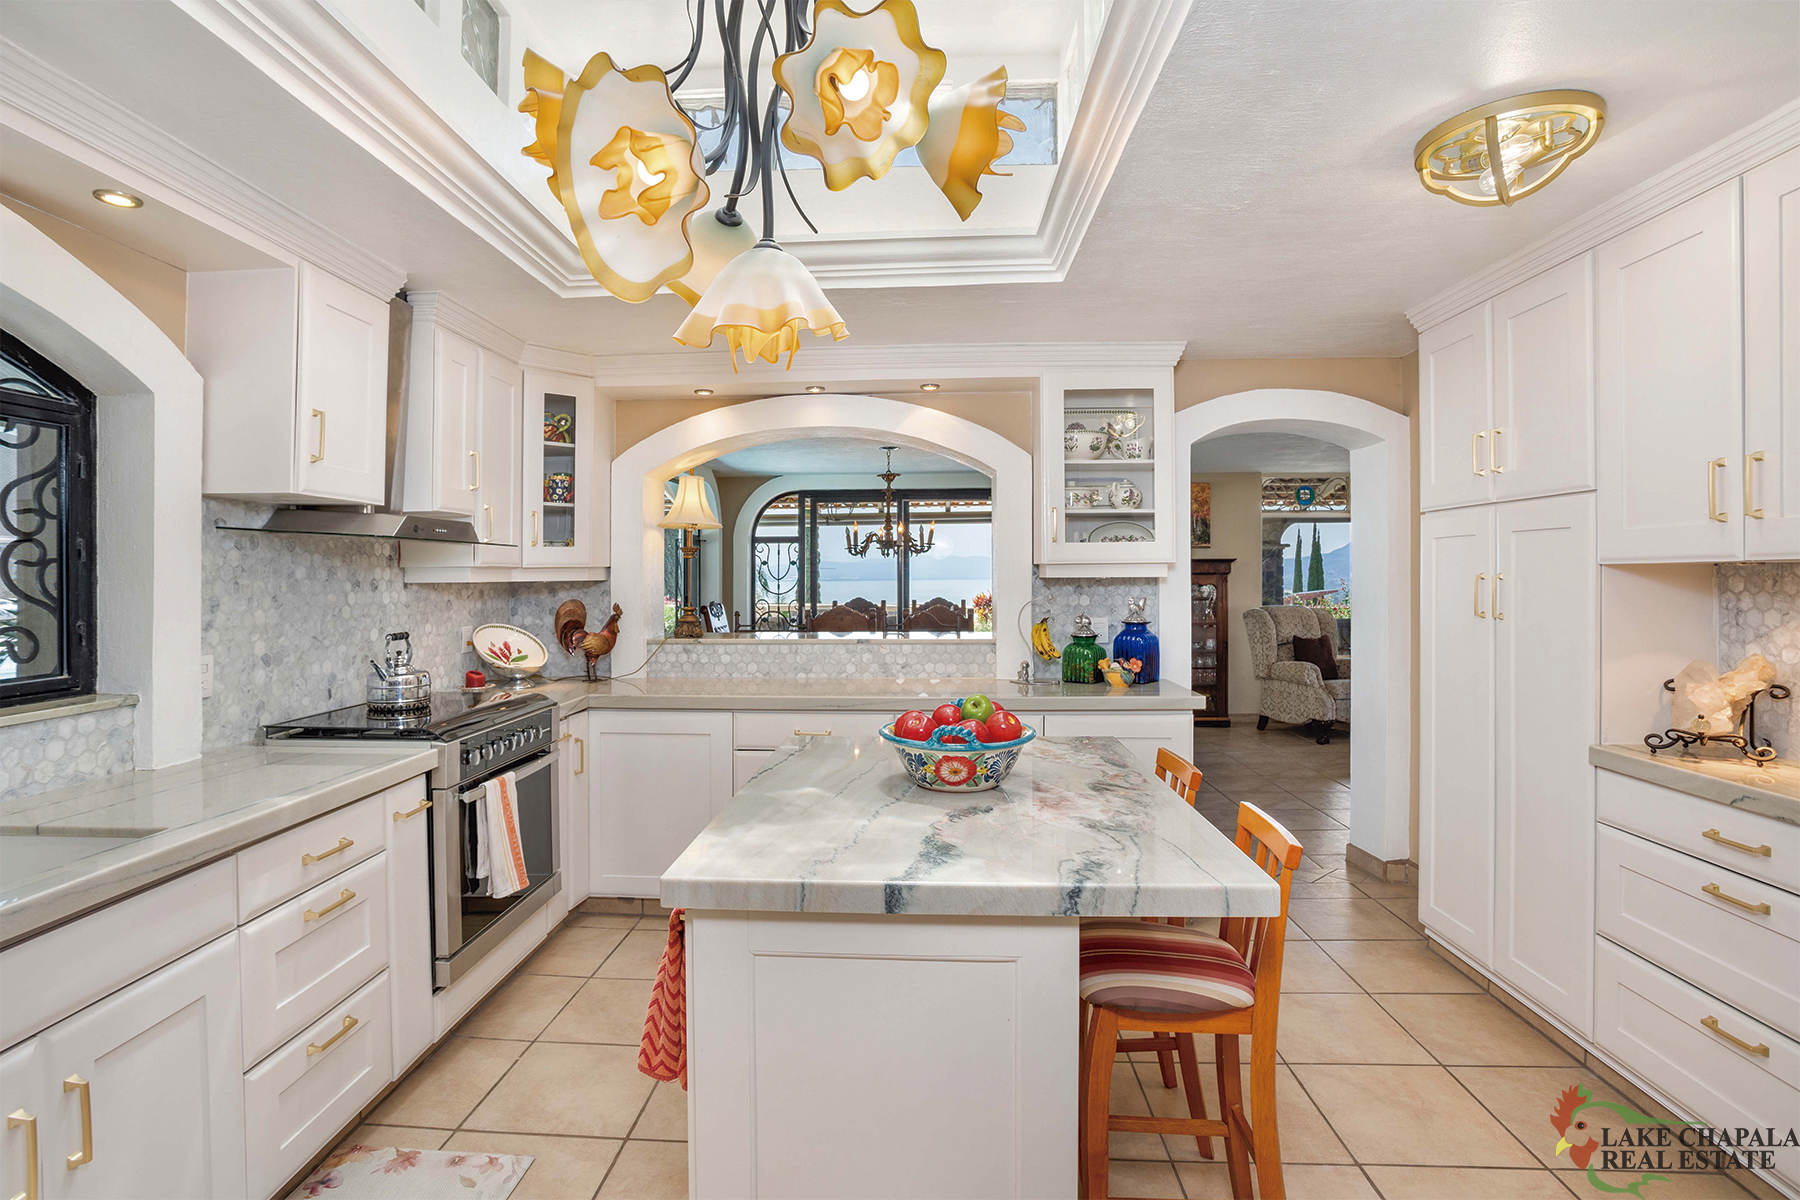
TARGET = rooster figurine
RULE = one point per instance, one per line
(572, 633)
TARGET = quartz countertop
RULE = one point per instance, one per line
(860, 693)
(1772, 791)
(835, 825)
(76, 848)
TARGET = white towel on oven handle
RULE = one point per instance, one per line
(505, 849)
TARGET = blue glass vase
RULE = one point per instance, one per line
(1136, 641)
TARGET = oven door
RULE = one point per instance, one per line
(465, 927)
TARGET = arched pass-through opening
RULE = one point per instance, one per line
(1379, 441)
(639, 474)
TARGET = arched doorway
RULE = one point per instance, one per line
(1380, 444)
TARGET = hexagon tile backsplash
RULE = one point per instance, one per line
(1758, 605)
(39, 755)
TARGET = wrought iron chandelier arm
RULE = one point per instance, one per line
(697, 19)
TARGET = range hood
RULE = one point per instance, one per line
(388, 521)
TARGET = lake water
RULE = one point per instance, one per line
(960, 591)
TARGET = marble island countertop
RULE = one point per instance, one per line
(66, 851)
(1771, 791)
(860, 693)
(835, 825)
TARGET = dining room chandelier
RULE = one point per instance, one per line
(1499, 153)
(626, 162)
(892, 538)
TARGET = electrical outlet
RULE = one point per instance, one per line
(206, 677)
(468, 637)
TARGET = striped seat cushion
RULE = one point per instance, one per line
(1161, 968)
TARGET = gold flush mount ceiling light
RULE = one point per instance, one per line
(1531, 138)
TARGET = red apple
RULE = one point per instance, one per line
(914, 726)
(947, 714)
(975, 729)
(1004, 727)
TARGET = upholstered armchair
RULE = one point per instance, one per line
(1292, 691)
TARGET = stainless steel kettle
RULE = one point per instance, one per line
(397, 687)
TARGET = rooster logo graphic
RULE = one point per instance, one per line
(1579, 1141)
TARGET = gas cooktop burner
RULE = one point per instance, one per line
(445, 717)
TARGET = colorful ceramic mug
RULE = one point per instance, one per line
(559, 487)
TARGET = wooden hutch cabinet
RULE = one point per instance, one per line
(1211, 613)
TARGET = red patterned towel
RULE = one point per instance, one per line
(663, 1052)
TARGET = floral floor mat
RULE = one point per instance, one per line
(386, 1173)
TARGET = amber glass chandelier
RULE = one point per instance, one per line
(1502, 152)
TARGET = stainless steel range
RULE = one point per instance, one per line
(479, 736)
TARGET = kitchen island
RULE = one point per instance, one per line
(882, 979)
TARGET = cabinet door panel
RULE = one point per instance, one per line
(1545, 623)
(458, 400)
(1542, 442)
(26, 1095)
(659, 778)
(1455, 372)
(1772, 357)
(1456, 727)
(409, 930)
(497, 497)
(341, 410)
(1669, 385)
(563, 531)
(164, 1071)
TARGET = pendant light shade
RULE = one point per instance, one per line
(715, 243)
(760, 301)
(967, 133)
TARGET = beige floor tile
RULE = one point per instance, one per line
(604, 1010)
(636, 957)
(574, 951)
(585, 1091)
(1330, 887)
(1411, 1116)
(1347, 920)
(1302, 819)
(1307, 968)
(583, 921)
(1473, 1030)
(1524, 1097)
(443, 1089)
(665, 1117)
(648, 1171)
(1377, 888)
(1305, 1136)
(565, 1167)
(1151, 1180)
(1323, 842)
(1407, 909)
(405, 1137)
(520, 1008)
(1398, 967)
(1126, 1099)
(1298, 1181)
(1346, 1028)
(1467, 1183)
(611, 904)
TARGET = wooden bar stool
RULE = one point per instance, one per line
(1151, 977)
(1181, 775)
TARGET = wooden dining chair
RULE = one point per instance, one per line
(1176, 983)
(841, 618)
(1182, 776)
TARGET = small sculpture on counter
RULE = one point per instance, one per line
(572, 633)
(1709, 708)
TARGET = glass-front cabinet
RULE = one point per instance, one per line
(1105, 488)
(566, 496)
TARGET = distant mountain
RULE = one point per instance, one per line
(1337, 567)
(928, 566)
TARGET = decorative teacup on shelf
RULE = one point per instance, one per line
(1136, 447)
(1078, 497)
(1126, 494)
(559, 487)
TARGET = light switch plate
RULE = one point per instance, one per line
(468, 637)
(206, 677)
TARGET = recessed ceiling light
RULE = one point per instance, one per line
(702, 391)
(928, 387)
(815, 389)
(117, 199)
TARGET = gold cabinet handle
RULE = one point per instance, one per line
(15, 1120)
(1053, 522)
(413, 812)
(1479, 580)
(812, 733)
(580, 756)
(1494, 591)
(1475, 440)
(1712, 490)
(344, 843)
(476, 455)
(76, 1083)
(313, 1048)
(345, 896)
(1750, 487)
(320, 456)
(1712, 889)
(1712, 1023)
(1713, 835)
(1494, 450)
(488, 511)
(534, 527)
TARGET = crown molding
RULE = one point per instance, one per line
(48, 97)
(466, 323)
(559, 362)
(849, 363)
(1724, 160)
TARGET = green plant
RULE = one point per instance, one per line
(669, 610)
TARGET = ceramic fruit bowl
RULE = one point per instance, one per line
(510, 650)
(975, 767)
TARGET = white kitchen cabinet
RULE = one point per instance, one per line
(497, 469)
(659, 778)
(1669, 385)
(409, 928)
(1772, 359)
(295, 366)
(26, 1098)
(1075, 496)
(1542, 438)
(576, 784)
(566, 431)
(443, 415)
(1142, 733)
(1455, 382)
(149, 1082)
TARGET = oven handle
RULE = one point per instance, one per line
(477, 791)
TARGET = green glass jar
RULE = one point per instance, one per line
(1081, 657)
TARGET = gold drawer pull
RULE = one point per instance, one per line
(1712, 889)
(345, 897)
(313, 1048)
(812, 733)
(1712, 490)
(1494, 450)
(344, 843)
(13, 1121)
(411, 812)
(1479, 580)
(1712, 1023)
(76, 1083)
(580, 756)
(1475, 440)
(320, 456)
(1750, 461)
(1713, 835)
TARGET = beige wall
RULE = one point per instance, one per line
(157, 289)
(1006, 413)
(734, 490)
(1237, 534)
(1378, 380)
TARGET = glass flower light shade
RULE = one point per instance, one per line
(760, 301)
(1531, 139)
(966, 135)
(714, 243)
(859, 90)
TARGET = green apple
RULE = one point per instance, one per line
(977, 708)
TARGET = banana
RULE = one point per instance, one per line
(1041, 643)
